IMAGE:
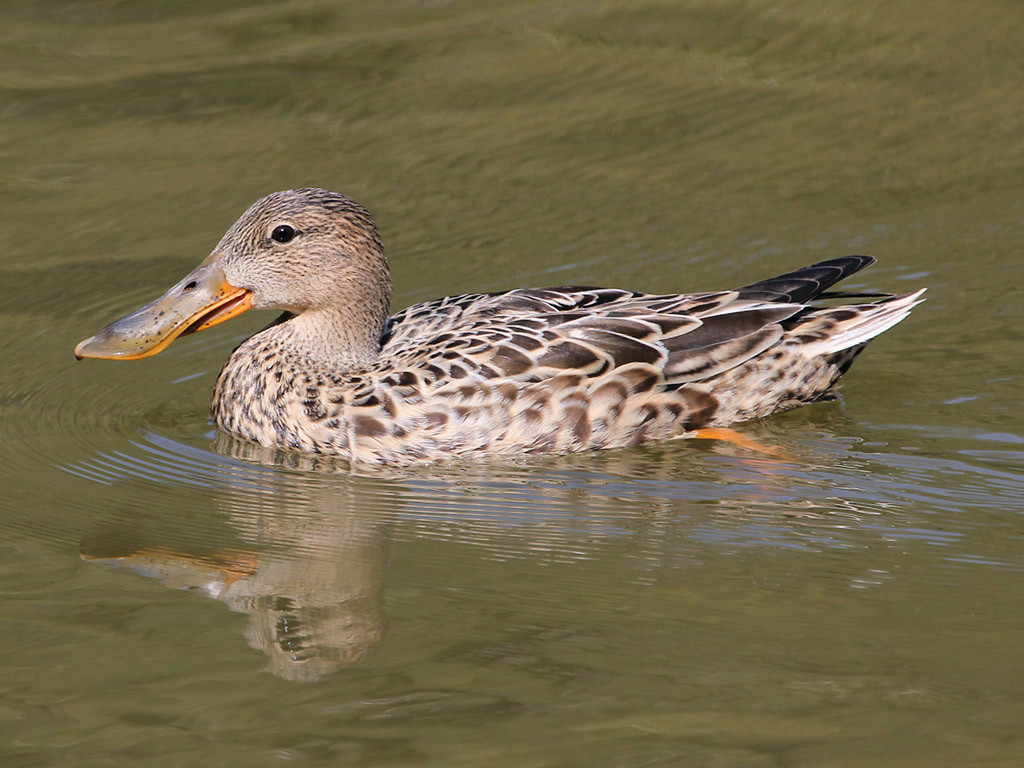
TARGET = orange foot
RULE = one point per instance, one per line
(734, 437)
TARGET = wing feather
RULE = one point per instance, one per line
(528, 335)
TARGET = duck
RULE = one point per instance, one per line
(560, 369)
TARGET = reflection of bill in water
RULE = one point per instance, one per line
(312, 596)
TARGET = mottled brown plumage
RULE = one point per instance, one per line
(554, 369)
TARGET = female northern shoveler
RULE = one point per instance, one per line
(550, 369)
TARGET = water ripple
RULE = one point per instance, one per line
(157, 455)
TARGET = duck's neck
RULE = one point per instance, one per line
(333, 340)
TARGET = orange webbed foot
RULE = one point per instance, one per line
(739, 440)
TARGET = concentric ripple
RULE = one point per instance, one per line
(120, 463)
(131, 445)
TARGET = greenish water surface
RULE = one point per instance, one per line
(167, 601)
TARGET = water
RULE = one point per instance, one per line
(170, 599)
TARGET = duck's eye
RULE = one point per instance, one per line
(283, 233)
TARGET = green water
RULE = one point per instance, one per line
(168, 601)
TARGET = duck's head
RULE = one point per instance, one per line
(302, 251)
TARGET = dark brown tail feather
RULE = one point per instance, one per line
(803, 285)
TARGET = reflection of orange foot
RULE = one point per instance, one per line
(742, 441)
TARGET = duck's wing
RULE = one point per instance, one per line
(530, 335)
(535, 334)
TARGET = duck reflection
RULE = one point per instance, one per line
(299, 543)
(309, 574)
